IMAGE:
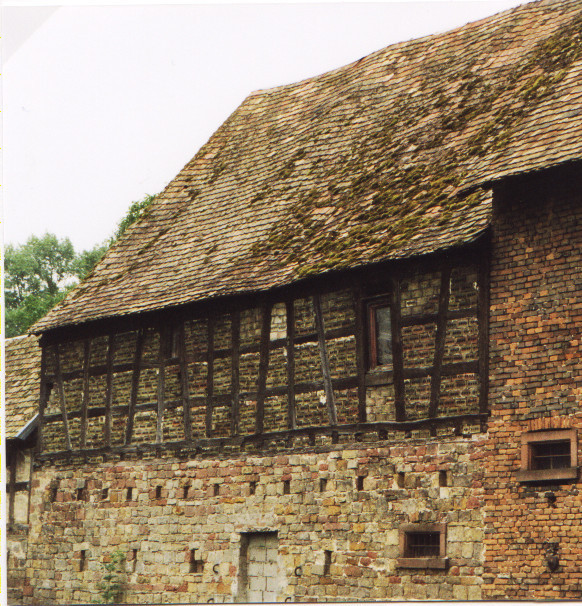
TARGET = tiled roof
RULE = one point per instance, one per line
(22, 380)
(382, 159)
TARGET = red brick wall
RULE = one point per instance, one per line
(535, 383)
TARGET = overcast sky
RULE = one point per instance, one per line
(105, 104)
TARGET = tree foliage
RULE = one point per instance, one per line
(39, 273)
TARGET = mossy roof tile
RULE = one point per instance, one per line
(385, 158)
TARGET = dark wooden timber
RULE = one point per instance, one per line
(134, 385)
(85, 400)
(235, 373)
(184, 385)
(319, 325)
(439, 349)
(483, 337)
(165, 336)
(419, 320)
(61, 388)
(279, 436)
(397, 354)
(43, 400)
(360, 354)
(209, 376)
(386, 377)
(109, 388)
(217, 399)
(263, 366)
(290, 343)
(12, 488)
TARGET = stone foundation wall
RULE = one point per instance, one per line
(82, 514)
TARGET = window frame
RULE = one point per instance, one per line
(440, 562)
(372, 305)
(531, 438)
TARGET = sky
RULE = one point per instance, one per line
(103, 105)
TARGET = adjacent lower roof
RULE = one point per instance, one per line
(386, 158)
(21, 384)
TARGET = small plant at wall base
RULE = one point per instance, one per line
(111, 586)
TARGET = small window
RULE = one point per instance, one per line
(196, 562)
(423, 546)
(548, 456)
(379, 333)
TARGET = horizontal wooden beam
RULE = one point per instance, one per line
(385, 377)
(199, 444)
(458, 314)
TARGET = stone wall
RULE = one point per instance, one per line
(205, 507)
(535, 385)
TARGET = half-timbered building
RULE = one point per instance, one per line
(339, 357)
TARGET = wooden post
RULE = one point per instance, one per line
(263, 366)
(134, 385)
(61, 389)
(184, 384)
(397, 355)
(109, 389)
(12, 486)
(165, 334)
(319, 325)
(360, 354)
(43, 400)
(290, 345)
(210, 377)
(85, 401)
(235, 378)
(483, 322)
(439, 348)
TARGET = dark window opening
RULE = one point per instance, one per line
(360, 482)
(216, 489)
(53, 490)
(130, 494)
(83, 561)
(133, 559)
(443, 479)
(81, 494)
(252, 487)
(550, 455)
(196, 564)
(422, 545)
(400, 479)
(286, 486)
(327, 563)
(322, 484)
(186, 491)
(379, 334)
(104, 494)
(158, 492)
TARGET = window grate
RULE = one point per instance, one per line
(422, 544)
(550, 455)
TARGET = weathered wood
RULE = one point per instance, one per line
(440, 337)
(279, 436)
(420, 320)
(397, 353)
(235, 373)
(360, 332)
(12, 487)
(165, 335)
(290, 344)
(184, 384)
(386, 377)
(109, 388)
(85, 397)
(61, 388)
(483, 334)
(334, 333)
(45, 389)
(134, 385)
(263, 366)
(209, 375)
(319, 325)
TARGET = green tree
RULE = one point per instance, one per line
(39, 273)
